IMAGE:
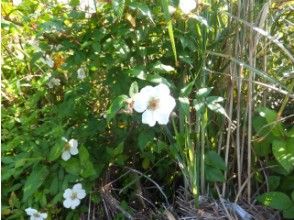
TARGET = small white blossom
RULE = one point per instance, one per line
(35, 215)
(171, 9)
(70, 148)
(16, 2)
(156, 103)
(81, 73)
(53, 82)
(187, 6)
(65, 2)
(49, 61)
(73, 196)
(88, 6)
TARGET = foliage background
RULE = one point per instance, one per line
(240, 49)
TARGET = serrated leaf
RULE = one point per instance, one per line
(72, 166)
(118, 6)
(215, 160)
(142, 8)
(213, 174)
(284, 154)
(34, 180)
(116, 105)
(276, 200)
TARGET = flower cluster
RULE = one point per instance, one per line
(155, 103)
(70, 148)
(73, 196)
(53, 82)
(35, 214)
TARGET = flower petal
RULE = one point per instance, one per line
(67, 193)
(148, 118)
(30, 211)
(43, 215)
(67, 203)
(81, 194)
(77, 186)
(187, 6)
(73, 143)
(74, 151)
(140, 102)
(162, 89)
(167, 104)
(161, 117)
(75, 203)
(65, 155)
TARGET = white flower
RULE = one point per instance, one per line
(156, 103)
(49, 61)
(53, 82)
(171, 9)
(81, 73)
(73, 196)
(88, 6)
(65, 2)
(187, 6)
(35, 215)
(70, 148)
(16, 2)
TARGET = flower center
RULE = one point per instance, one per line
(153, 103)
(37, 215)
(74, 195)
(66, 147)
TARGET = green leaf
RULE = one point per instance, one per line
(284, 153)
(143, 8)
(292, 195)
(276, 200)
(117, 104)
(273, 182)
(203, 92)
(186, 91)
(145, 137)
(214, 99)
(163, 68)
(72, 166)
(216, 107)
(134, 89)
(289, 213)
(138, 72)
(212, 158)
(272, 120)
(56, 151)
(118, 6)
(184, 105)
(164, 6)
(199, 106)
(35, 180)
(214, 175)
